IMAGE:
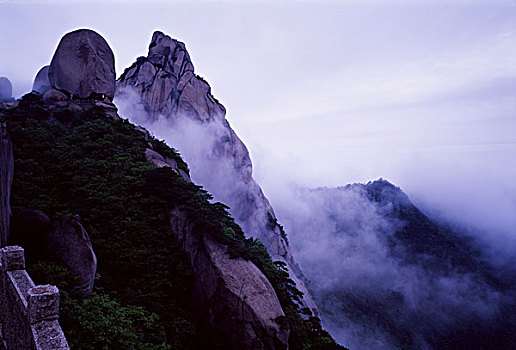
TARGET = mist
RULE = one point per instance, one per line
(329, 93)
(369, 297)
(202, 146)
(422, 93)
(340, 239)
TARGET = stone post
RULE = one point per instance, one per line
(43, 303)
(13, 258)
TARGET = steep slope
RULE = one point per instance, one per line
(385, 276)
(162, 92)
(128, 235)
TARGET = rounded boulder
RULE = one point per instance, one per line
(41, 83)
(6, 89)
(83, 66)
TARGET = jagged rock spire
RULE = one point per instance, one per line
(164, 85)
(166, 82)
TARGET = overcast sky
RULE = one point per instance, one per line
(331, 92)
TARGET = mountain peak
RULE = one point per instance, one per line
(166, 81)
(382, 190)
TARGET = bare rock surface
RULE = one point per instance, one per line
(83, 65)
(6, 89)
(233, 293)
(166, 82)
(161, 161)
(41, 83)
(69, 242)
(163, 88)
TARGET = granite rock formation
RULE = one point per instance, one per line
(83, 66)
(69, 242)
(41, 83)
(166, 82)
(6, 89)
(233, 294)
(162, 161)
(164, 85)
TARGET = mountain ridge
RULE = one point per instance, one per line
(393, 277)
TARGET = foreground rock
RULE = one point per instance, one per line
(6, 89)
(69, 242)
(164, 84)
(233, 294)
(162, 161)
(83, 66)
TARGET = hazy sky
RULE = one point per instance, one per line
(422, 93)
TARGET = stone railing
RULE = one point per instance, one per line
(29, 314)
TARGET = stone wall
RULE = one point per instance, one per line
(28, 314)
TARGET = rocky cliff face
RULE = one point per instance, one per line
(163, 88)
(69, 242)
(6, 179)
(233, 294)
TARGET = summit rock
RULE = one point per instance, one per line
(166, 82)
(83, 66)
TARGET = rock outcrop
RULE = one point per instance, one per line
(83, 66)
(162, 161)
(6, 89)
(6, 179)
(69, 242)
(166, 82)
(164, 85)
(41, 82)
(233, 294)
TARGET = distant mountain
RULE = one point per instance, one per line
(386, 276)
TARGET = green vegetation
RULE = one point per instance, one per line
(273, 223)
(89, 164)
(161, 147)
(100, 321)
